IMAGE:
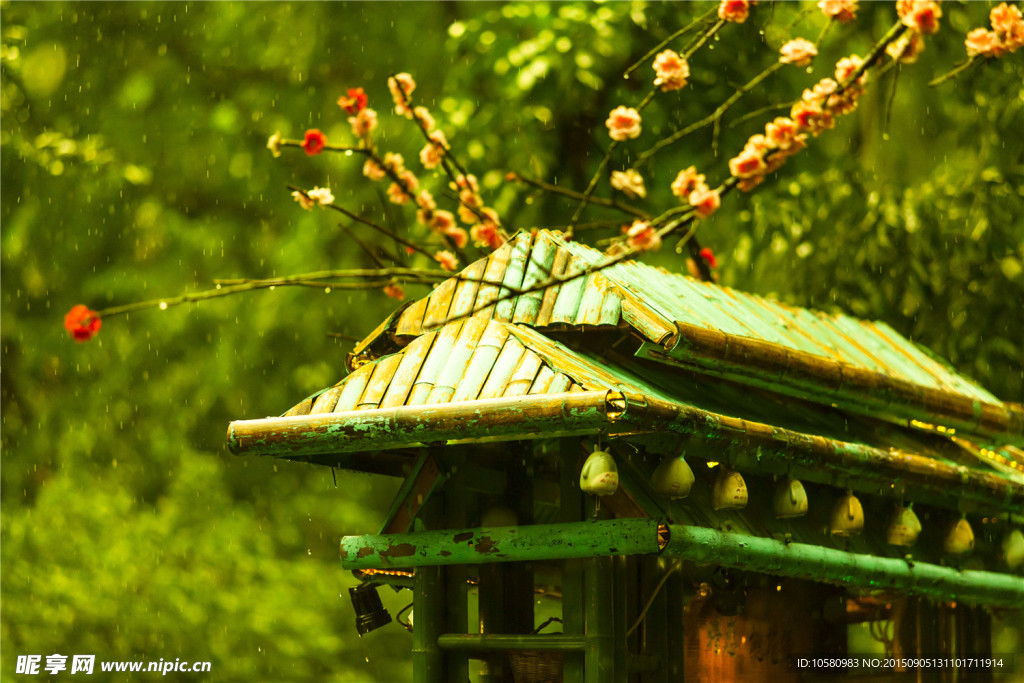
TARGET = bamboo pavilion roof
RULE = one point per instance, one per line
(630, 348)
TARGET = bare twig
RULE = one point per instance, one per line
(369, 252)
(960, 68)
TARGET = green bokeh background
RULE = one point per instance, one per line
(134, 166)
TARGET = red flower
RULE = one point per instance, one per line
(709, 257)
(355, 102)
(734, 10)
(394, 291)
(82, 323)
(314, 142)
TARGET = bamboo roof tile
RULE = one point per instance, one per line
(742, 367)
(832, 359)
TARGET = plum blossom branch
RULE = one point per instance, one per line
(359, 219)
(624, 122)
(713, 117)
(665, 43)
(425, 124)
(322, 279)
(573, 194)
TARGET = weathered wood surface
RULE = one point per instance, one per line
(701, 545)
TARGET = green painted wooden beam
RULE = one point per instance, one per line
(697, 544)
(499, 544)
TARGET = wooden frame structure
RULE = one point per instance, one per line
(487, 396)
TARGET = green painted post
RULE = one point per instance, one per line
(654, 629)
(674, 663)
(456, 494)
(428, 610)
(518, 578)
(572, 569)
(623, 571)
(600, 655)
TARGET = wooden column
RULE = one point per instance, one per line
(429, 612)
(572, 570)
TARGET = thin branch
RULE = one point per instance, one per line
(600, 201)
(369, 223)
(593, 225)
(763, 110)
(678, 34)
(427, 274)
(713, 117)
(244, 286)
(955, 72)
(343, 336)
(592, 185)
(330, 148)
(894, 32)
(369, 252)
(697, 44)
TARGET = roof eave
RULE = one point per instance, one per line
(613, 413)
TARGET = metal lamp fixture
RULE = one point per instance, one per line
(370, 612)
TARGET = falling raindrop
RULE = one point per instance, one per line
(327, 290)
(348, 152)
(163, 305)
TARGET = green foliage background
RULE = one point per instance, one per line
(134, 166)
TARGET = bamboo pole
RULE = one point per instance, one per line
(809, 376)
(593, 539)
(827, 565)
(571, 503)
(499, 544)
(599, 659)
(472, 642)
(428, 606)
(868, 469)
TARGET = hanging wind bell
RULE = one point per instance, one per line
(600, 475)
(730, 491)
(673, 478)
(960, 538)
(904, 527)
(1013, 548)
(847, 516)
(790, 499)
